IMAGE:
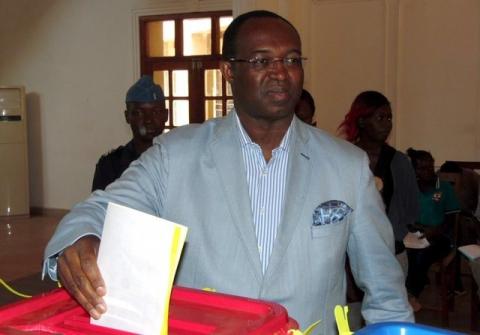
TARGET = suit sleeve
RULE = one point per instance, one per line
(371, 253)
(141, 187)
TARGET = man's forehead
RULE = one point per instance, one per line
(269, 25)
(267, 29)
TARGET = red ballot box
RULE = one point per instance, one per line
(192, 312)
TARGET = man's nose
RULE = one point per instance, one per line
(277, 67)
(147, 116)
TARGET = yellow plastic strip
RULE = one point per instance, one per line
(306, 332)
(341, 315)
(9, 288)
(311, 327)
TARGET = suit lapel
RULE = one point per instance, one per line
(228, 157)
(299, 171)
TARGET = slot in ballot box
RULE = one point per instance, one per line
(192, 312)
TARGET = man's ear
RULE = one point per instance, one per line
(227, 71)
(127, 116)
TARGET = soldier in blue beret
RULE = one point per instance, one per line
(146, 114)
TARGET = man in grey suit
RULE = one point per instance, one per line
(272, 204)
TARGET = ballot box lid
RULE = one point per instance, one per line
(402, 328)
(192, 312)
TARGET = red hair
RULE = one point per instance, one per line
(363, 106)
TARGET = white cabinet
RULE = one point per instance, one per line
(14, 189)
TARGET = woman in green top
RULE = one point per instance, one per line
(438, 206)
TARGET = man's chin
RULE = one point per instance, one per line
(281, 110)
(149, 136)
(278, 115)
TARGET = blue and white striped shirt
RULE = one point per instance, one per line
(266, 186)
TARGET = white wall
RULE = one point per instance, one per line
(76, 60)
(439, 77)
(422, 54)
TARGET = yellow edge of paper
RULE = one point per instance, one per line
(177, 246)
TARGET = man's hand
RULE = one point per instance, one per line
(79, 274)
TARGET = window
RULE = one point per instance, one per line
(182, 52)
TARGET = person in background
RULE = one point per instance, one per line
(368, 125)
(465, 184)
(467, 189)
(146, 114)
(438, 209)
(305, 109)
(272, 205)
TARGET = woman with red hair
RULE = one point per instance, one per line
(368, 125)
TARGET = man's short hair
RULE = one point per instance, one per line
(231, 33)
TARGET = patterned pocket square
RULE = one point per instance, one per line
(330, 212)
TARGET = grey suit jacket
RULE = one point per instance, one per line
(195, 176)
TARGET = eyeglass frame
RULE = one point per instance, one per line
(261, 64)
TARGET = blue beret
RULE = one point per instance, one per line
(145, 90)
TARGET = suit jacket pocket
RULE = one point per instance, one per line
(329, 229)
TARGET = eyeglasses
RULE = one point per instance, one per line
(260, 64)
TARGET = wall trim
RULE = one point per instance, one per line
(56, 212)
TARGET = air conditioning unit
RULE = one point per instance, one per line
(14, 188)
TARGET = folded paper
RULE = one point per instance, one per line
(138, 258)
(415, 240)
(471, 251)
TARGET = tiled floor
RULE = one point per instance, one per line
(21, 248)
(22, 242)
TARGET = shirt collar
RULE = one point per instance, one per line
(245, 140)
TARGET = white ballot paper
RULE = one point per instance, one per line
(415, 240)
(138, 257)
(471, 251)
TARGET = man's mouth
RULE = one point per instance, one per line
(278, 94)
(147, 130)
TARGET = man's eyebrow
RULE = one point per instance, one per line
(268, 51)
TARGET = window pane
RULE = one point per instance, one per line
(224, 22)
(213, 83)
(229, 89)
(167, 106)
(180, 113)
(160, 38)
(161, 78)
(213, 108)
(197, 37)
(229, 105)
(180, 83)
